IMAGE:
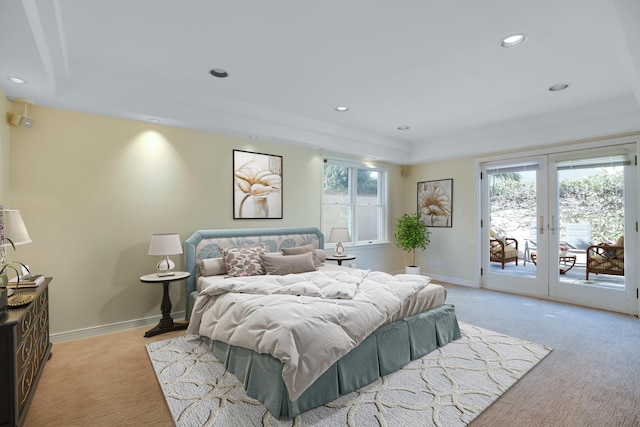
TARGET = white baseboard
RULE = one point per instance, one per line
(113, 327)
(454, 281)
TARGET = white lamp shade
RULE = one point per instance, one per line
(14, 228)
(338, 235)
(165, 244)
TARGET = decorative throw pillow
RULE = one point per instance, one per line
(609, 253)
(243, 261)
(290, 264)
(319, 256)
(212, 267)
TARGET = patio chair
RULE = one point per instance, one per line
(606, 259)
(503, 251)
(578, 236)
(530, 245)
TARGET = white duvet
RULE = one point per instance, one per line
(307, 321)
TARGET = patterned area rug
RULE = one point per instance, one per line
(448, 387)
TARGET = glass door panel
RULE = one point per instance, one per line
(511, 230)
(591, 191)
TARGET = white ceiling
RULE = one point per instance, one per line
(433, 65)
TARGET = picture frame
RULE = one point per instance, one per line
(257, 185)
(435, 202)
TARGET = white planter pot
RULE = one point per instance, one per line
(412, 269)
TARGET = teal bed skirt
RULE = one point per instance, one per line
(386, 350)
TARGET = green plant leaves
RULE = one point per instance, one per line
(411, 233)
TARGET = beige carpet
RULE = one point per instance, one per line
(449, 387)
(102, 381)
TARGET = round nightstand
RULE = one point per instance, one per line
(339, 259)
(166, 323)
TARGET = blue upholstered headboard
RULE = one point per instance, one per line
(207, 243)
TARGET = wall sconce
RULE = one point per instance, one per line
(22, 120)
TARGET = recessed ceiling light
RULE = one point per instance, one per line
(558, 86)
(403, 128)
(341, 108)
(513, 40)
(17, 80)
(219, 72)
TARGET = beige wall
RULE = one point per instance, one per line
(4, 147)
(451, 255)
(92, 190)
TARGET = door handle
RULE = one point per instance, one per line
(552, 225)
(541, 225)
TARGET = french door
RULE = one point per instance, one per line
(562, 225)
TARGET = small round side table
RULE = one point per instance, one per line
(166, 323)
(339, 259)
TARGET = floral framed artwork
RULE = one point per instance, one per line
(257, 185)
(435, 202)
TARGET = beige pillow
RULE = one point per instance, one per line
(281, 265)
(212, 267)
(319, 256)
(297, 250)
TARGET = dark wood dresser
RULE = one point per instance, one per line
(24, 348)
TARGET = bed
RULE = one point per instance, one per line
(403, 317)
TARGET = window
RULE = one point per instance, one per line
(355, 197)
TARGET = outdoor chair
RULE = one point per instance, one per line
(503, 250)
(606, 258)
(530, 245)
(578, 236)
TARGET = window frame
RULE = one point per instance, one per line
(352, 204)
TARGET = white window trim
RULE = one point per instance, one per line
(383, 195)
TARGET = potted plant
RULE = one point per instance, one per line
(411, 233)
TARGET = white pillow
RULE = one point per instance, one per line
(212, 267)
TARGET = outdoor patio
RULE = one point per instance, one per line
(577, 274)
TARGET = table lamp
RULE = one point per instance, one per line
(13, 233)
(164, 245)
(13, 228)
(339, 235)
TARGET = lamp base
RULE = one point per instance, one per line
(165, 265)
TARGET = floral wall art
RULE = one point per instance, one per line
(435, 202)
(257, 185)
